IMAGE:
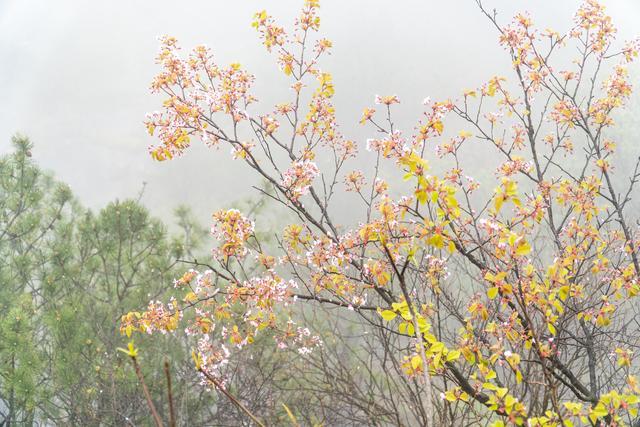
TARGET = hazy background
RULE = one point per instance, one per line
(74, 77)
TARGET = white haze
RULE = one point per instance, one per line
(74, 77)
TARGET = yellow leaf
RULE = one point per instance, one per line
(563, 292)
(388, 315)
(453, 355)
(523, 248)
(573, 407)
(492, 292)
(598, 412)
(450, 396)
(197, 359)
(402, 327)
(416, 361)
(528, 270)
(400, 306)
(130, 351)
(190, 297)
(410, 329)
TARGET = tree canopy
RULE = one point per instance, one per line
(503, 300)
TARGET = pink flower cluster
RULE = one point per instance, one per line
(232, 229)
(298, 178)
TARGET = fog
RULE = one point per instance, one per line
(74, 77)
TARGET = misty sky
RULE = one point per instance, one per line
(74, 77)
